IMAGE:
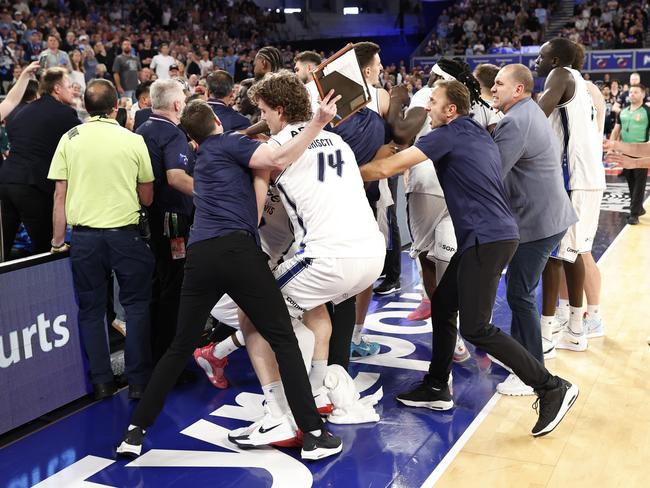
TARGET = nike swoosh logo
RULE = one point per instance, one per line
(575, 343)
(264, 431)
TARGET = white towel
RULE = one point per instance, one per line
(349, 407)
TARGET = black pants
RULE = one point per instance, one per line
(470, 285)
(235, 265)
(342, 317)
(32, 207)
(393, 260)
(94, 253)
(167, 282)
(636, 180)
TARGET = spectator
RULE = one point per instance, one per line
(34, 133)
(77, 70)
(162, 62)
(34, 46)
(125, 71)
(206, 65)
(90, 64)
(52, 57)
(143, 100)
(99, 197)
(146, 53)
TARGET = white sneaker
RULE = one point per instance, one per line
(513, 386)
(593, 327)
(571, 341)
(548, 347)
(323, 402)
(496, 361)
(559, 323)
(461, 354)
(267, 430)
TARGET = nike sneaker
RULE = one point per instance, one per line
(435, 397)
(548, 348)
(213, 367)
(422, 312)
(131, 445)
(319, 447)
(268, 430)
(323, 403)
(571, 341)
(593, 327)
(513, 386)
(461, 354)
(364, 349)
(552, 406)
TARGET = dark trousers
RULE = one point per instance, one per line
(522, 278)
(636, 180)
(167, 282)
(235, 265)
(32, 207)
(470, 285)
(393, 260)
(342, 317)
(93, 254)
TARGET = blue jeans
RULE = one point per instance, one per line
(523, 275)
(93, 254)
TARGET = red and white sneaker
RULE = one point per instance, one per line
(461, 354)
(422, 312)
(212, 366)
(323, 403)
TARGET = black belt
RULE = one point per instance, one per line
(83, 228)
(238, 233)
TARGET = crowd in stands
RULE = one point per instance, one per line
(608, 24)
(474, 27)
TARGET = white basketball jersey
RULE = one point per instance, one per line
(323, 194)
(374, 99)
(314, 96)
(276, 234)
(576, 125)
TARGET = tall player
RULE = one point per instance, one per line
(567, 102)
(341, 250)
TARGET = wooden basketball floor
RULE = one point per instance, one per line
(605, 439)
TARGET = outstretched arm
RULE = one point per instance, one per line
(15, 95)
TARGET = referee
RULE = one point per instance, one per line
(103, 173)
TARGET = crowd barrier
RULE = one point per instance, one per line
(42, 365)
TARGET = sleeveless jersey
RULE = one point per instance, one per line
(576, 125)
(374, 99)
(323, 194)
(276, 234)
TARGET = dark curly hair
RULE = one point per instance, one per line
(283, 89)
(460, 70)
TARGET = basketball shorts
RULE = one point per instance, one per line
(579, 238)
(225, 311)
(424, 213)
(444, 242)
(307, 283)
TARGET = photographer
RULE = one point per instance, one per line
(103, 174)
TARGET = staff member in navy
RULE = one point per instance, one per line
(221, 94)
(224, 256)
(170, 214)
(103, 173)
(468, 165)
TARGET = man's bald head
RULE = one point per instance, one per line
(520, 74)
(512, 84)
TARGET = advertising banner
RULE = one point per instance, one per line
(41, 359)
(604, 61)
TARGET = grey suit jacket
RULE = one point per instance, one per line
(532, 172)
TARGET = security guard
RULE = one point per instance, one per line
(103, 174)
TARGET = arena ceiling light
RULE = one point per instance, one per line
(292, 10)
(351, 10)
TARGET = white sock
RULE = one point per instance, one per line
(546, 323)
(593, 311)
(224, 348)
(563, 308)
(575, 319)
(131, 427)
(317, 374)
(356, 334)
(275, 399)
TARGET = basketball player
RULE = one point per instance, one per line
(567, 102)
(340, 249)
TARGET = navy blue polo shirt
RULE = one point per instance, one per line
(223, 187)
(468, 165)
(168, 149)
(230, 119)
(364, 132)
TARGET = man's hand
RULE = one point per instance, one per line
(401, 94)
(61, 248)
(326, 109)
(30, 70)
(609, 146)
(386, 151)
(622, 160)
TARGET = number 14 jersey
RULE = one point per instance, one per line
(323, 194)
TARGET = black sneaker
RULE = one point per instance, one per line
(552, 406)
(642, 212)
(633, 220)
(428, 396)
(320, 447)
(387, 287)
(131, 446)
